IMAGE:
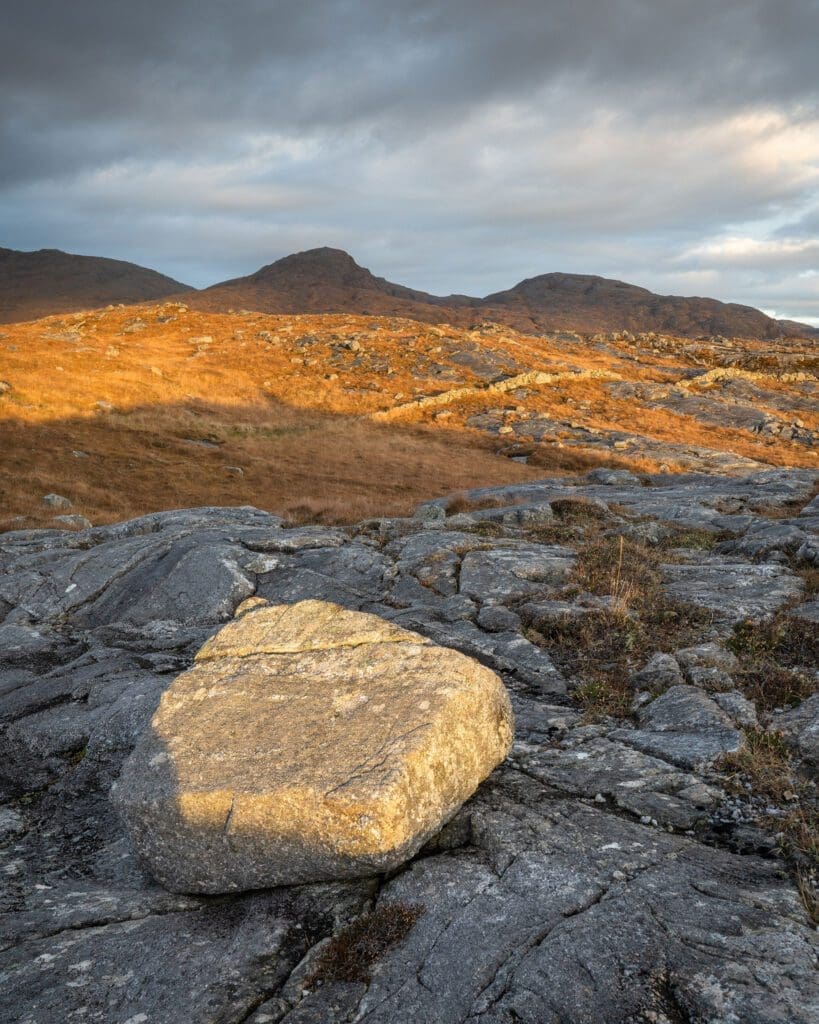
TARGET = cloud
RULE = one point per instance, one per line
(454, 147)
(794, 254)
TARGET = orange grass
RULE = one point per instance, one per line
(284, 401)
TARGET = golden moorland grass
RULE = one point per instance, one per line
(129, 410)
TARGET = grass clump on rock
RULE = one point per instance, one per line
(771, 656)
(765, 762)
(605, 646)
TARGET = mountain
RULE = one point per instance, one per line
(792, 327)
(323, 281)
(588, 304)
(330, 281)
(35, 284)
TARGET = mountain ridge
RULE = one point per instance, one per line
(329, 280)
(46, 281)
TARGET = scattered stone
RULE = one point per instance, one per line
(661, 672)
(56, 501)
(75, 522)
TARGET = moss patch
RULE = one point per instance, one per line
(350, 955)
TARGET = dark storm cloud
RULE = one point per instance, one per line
(454, 145)
(135, 77)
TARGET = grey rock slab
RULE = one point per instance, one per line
(809, 611)
(419, 548)
(733, 591)
(689, 750)
(555, 906)
(764, 539)
(537, 722)
(497, 619)
(516, 515)
(289, 585)
(684, 709)
(301, 538)
(75, 522)
(76, 904)
(207, 965)
(503, 575)
(12, 824)
(355, 568)
(236, 520)
(801, 726)
(660, 672)
(599, 765)
(198, 579)
(31, 646)
(136, 579)
(509, 653)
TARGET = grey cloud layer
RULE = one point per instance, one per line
(455, 146)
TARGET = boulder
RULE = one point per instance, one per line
(308, 743)
(56, 501)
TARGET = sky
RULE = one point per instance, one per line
(457, 146)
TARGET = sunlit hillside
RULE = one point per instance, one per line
(340, 417)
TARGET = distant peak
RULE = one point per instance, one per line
(324, 264)
(323, 254)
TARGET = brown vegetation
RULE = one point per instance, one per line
(303, 465)
(766, 765)
(128, 410)
(351, 953)
(605, 646)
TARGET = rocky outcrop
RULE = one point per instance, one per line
(611, 869)
(308, 743)
(533, 378)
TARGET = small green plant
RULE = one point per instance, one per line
(350, 955)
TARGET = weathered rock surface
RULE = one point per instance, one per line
(603, 873)
(308, 743)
